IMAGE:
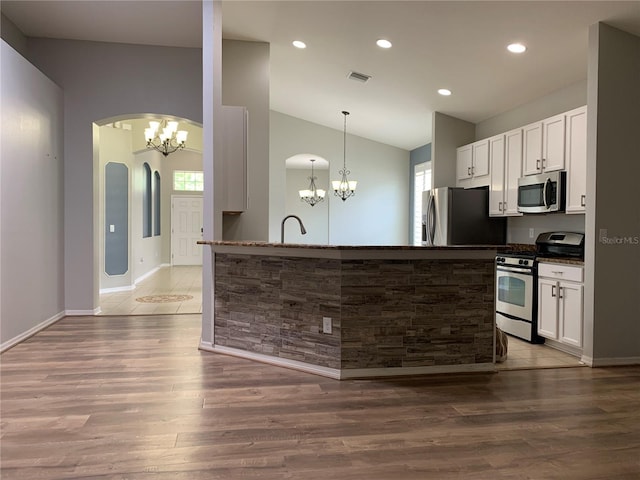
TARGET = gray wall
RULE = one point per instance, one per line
(563, 100)
(102, 81)
(448, 134)
(13, 36)
(245, 82)
(612, 284)
(378, 214)
(31, 199)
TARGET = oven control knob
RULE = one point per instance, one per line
(526, 262)
(520, 262)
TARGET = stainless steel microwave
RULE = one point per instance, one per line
(542, 193)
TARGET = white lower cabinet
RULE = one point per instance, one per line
(560, 303)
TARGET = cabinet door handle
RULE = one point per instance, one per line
(583, 199)
(538, 164)
(560, 292)
(468, 171)
(553, 290)
(499, 206)
(543, 162)
(473, 169)
(557, 272)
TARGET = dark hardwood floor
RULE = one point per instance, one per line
(132, 398)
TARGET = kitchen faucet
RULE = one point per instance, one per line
(302, 229)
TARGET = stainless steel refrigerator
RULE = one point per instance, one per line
(459, 216)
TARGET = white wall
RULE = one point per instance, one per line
(31, 199)
(379, 212)
(145, 254)
(145, 251)
(101, 81)
(114, 146)
(181, 160)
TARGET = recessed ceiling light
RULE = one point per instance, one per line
(382, 43)
(445, 92)
(516, 48)
(299, 44)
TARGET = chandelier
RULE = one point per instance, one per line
(165, 137)
(312, 195)
(344, 188)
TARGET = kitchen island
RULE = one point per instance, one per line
(355, 311)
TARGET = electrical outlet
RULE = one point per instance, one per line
(531, 233)
(326, 325)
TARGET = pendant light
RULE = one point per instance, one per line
(344, 188)
(312, 195)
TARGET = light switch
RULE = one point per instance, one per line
(112, 228)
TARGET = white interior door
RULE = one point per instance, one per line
(186, 230)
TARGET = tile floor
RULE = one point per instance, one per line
(523, 355)
(178, 280)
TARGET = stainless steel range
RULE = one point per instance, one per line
(517, 295)
(517, 282)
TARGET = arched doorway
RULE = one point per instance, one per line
(135, 218)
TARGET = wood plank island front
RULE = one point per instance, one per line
(393, 310)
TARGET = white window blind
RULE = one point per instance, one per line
(422, 183)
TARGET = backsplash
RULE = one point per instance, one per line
(519, 228)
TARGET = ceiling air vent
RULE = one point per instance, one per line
(360, 77)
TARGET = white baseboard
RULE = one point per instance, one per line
(571, 350)
(82, 313)
(125, 288)
(280, 362)
(611, 361)
(348, 373)
(31, 332)
(146, 275)
(128, 288)
(426, 370)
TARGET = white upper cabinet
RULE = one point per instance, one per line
(505, 154)
(576, 159)
(544, 145)
(472, 164)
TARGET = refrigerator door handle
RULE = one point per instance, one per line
(432, 220)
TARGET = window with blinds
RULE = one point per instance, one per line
(422, 183)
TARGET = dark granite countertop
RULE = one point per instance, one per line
(562, 260)
(349, 247)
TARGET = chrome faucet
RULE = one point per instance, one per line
(302, 229)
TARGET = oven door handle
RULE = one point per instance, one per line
(524, 271)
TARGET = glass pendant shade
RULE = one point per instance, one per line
(312, 195)
(165, 137)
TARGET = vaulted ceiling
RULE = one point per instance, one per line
(458, 45)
